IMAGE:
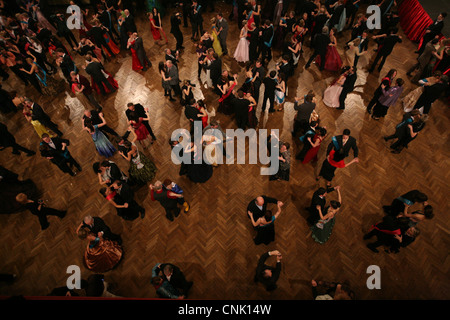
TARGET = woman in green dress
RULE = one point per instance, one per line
(142, 169)
(321, 231)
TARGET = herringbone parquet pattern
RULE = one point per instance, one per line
(213, 243)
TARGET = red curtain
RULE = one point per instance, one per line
(414, 20)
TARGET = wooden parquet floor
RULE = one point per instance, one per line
(213, 243)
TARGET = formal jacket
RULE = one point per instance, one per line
(388, 44)
(37, 113)
(56, 153)
(320, 43)
(257, 212)
(67, 65)
(363, 45)
(224, 25)
(269, 283)
(173, 74)
(350, 144)
(139, 47)
(349, 83)
(433, 92)
(6, 138)
(97, 34)
(304, 110)
(130, 26)
(138, 109)
(98, 226)
(215, 69)
(436, 27)
(269, 85)
(94, 69)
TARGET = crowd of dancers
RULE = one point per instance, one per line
(33, 48)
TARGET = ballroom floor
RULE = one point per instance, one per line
(213, 243)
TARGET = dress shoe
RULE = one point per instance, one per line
(142, 214)
(372, 248)
(340, 108)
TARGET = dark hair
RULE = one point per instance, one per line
(313, 123)
(287, 145)
(161, 66)
(272, 74)
(400, 82)
(102, 192)
(335, 204)
(96, 167)
(105, 163)
(321, 191)
(268, 215)
(309, 97)
(428, 211)
(444, 14)
(346, 132)
(129, 104)
(322, 131)
(421, 197)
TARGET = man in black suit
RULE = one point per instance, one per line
(66, 63)
(215, 70)
(140, 111)
(8, 140)
(196, 20)
(320, 45)
(304, 110)
(111, 170)
(94, 69)
(130, 25)
(175, 277)
(64, 31)
(96, 33)
(127, 195)
(319, 22)
(241, 107)
(37, 113)
(342, 145)
(94, 117)
(99, 228)
(105, 18)
(55, 150)
(318, 201)
(386, 48)
(431, 93)
(172, 56)
(347, 87)
(270, 84)
(222, 29)
(362, 47)
(285, 67)
(268, 275)
(140, 52)
(258, 73)
(192, 113)
(268, 33)
(258, 206)
(175, 22)
(432, 31)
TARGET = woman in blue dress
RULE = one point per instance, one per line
(321, 231)
(104, 146)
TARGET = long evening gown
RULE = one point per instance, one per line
(242, 54)
(321, 231)
(332, 93)
(333, 61)
(265, 234)
(102, 144)
(311, 154)
(155, 31)
(135, 63)
(216, 43)
(142, 169)
(102, 255)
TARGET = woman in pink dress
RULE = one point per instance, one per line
(333, 61)
(135, 63)
(311, 154)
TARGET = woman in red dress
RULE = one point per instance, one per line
(108, 76)
(316, 142)
(136, 64)
(153, 28)
(333, 61)
(139, 128)
(204, 115)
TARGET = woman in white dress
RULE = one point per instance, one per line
(280, 93)
(332, 93)
(241, 54)
(205, 76)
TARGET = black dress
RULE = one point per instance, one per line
(200, 172)
(265, 234)
(130, 213)
(43, 213)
